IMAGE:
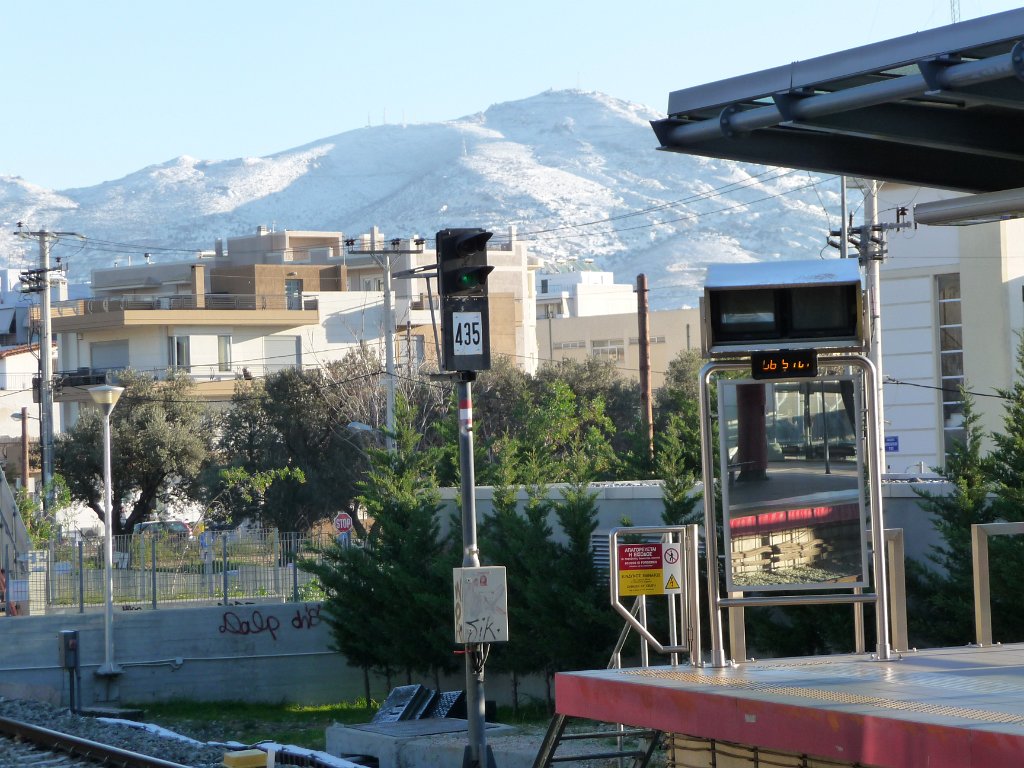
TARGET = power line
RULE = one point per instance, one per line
(101, 245)
(731, 187)
(945, 390)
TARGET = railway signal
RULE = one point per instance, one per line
(462, 272)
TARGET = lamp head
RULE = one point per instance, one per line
(105, 394)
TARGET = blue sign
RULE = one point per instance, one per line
(892, 443)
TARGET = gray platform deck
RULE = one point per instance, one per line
(944, 708)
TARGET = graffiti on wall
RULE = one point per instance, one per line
(255, 622)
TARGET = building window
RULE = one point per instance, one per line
(224, 353)
(569, 345)
(108, 355)
(543, 286)
(178, 353)
(293, 294)
(282, 352)
(634, 340)
(612, 348)
(951, 358)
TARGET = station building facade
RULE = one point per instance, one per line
(952, 310)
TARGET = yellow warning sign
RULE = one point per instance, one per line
(632, 583)
(652, 568)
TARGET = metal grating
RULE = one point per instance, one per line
(835, 697)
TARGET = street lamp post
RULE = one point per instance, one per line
(106, 397)
(23, 416)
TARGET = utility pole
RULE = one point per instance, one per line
(643, 319)
(38, 281)
(383, 259)
(870, 241)
(871, 259)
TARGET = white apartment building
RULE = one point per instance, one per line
(582, 293)
(587, 314)
(260, 303)
(952, 307)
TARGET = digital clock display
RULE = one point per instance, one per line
(784, 364)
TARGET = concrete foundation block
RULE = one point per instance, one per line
(426, 743)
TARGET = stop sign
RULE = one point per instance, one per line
(343, 522)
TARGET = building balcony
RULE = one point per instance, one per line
(213, 380)
(153, 309)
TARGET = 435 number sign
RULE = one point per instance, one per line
(467, 333)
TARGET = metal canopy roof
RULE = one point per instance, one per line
(942, 108)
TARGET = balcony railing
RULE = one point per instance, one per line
(69, 385)
(209, 301)
(424, 302)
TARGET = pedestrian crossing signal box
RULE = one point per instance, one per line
(782, 306)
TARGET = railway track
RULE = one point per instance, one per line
(23, 744)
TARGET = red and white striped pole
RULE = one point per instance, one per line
(477, 754)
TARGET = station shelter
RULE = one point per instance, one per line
(790, 388)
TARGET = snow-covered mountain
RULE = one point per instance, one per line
(576, 173)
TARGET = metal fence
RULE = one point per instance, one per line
(162, 569)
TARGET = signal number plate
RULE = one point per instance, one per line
(467, 333)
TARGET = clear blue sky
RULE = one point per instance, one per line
(93, 90)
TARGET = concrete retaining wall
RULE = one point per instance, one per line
(269, 652)
(273, 651)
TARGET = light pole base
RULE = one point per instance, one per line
(469, 762)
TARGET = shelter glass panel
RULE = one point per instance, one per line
(792, 484)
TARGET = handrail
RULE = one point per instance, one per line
(980, 533)
(685, 548)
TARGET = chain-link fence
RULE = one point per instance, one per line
(160, 569)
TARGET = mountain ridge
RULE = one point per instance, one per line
(575, 173)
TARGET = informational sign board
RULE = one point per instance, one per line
(784, 364)
(892, 443)
(649, 569)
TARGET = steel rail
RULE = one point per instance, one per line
(80, 747)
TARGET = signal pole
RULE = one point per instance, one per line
(462, 271)
(477, 753)
(38, 281)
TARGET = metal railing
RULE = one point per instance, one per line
(162, 569)
(980, 533)
(182, 301)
